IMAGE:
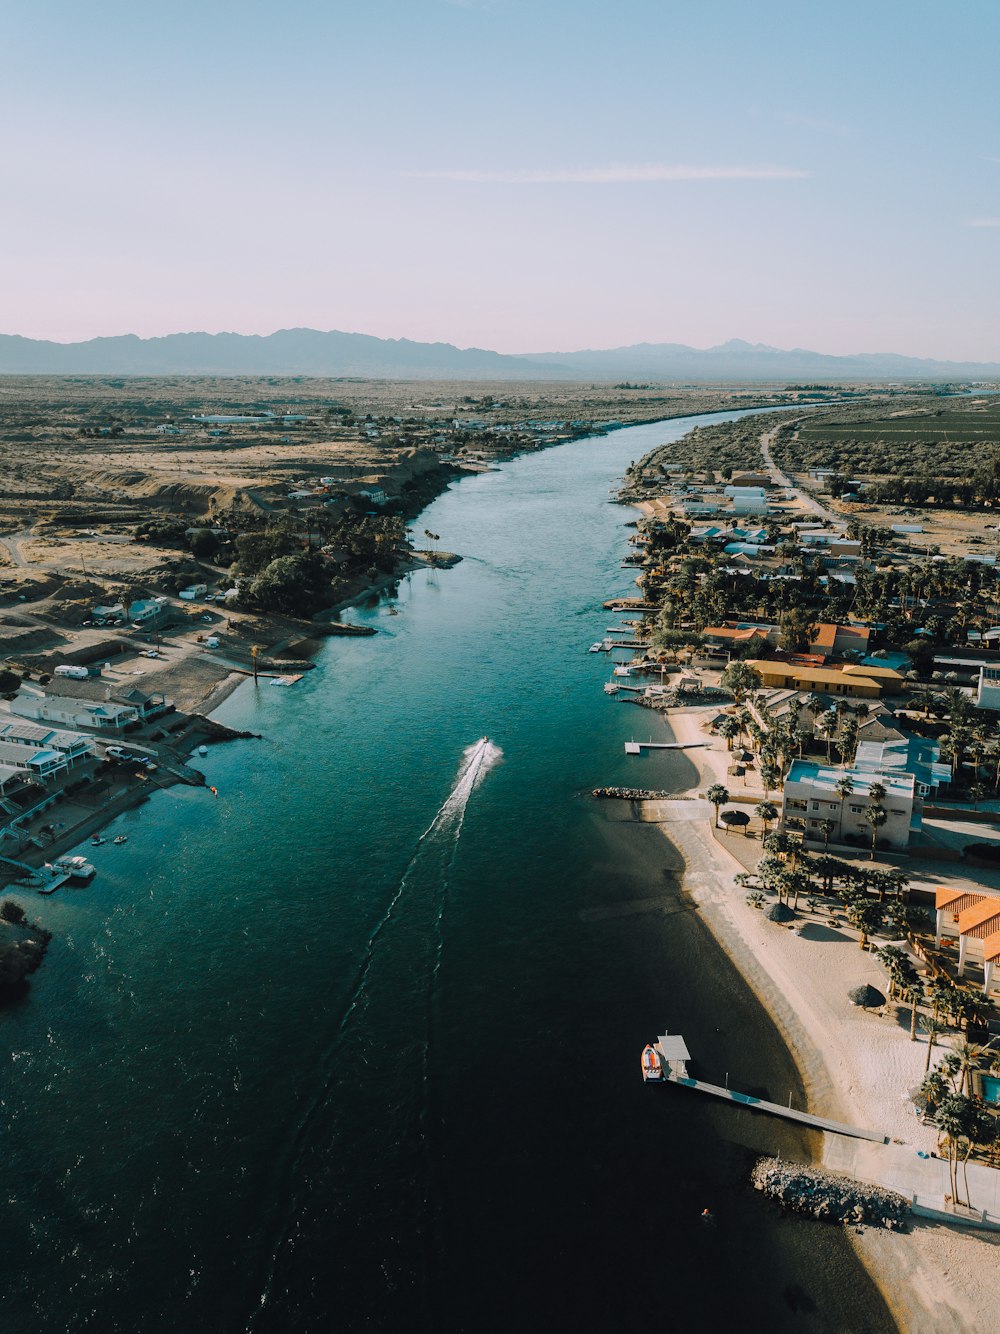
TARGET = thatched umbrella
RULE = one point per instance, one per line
(735, 818)
(779, 912)
(866, 996)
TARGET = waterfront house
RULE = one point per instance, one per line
(974, 920)
(810, 796)
(40, 764)
(148, 704)
(100, 716)
(74, 746)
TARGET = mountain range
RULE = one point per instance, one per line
(314, 353)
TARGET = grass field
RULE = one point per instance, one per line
(949, 441)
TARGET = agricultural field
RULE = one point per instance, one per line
(949, 439)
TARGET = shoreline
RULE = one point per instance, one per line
(854, 1066)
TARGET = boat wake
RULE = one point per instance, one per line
(407, 958)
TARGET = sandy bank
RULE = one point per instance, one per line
(856, 1066)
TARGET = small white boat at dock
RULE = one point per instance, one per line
(595, 648)
(77, 868)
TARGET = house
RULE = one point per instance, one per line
(147, 611)
(193, 591)
(836, 640)
(36, 762)
(100, 716)
(75, 747)
(891, 681)
(820, 680)
(974, 920)
(810, 797)
(148, 704)
(734, 633)
(375, 494)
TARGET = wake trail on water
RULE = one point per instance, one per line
(433, 859)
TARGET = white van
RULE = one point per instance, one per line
(77, 673)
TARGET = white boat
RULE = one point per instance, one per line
(650, 1063)
(595, 648)
(77, 867)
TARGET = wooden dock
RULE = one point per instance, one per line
(774, 1108)
(637, 747)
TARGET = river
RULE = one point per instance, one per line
(355, 1045)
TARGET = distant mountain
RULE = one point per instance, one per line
(311, 352)
(738, 360)
(287, 352)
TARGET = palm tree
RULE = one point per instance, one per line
(844, 788)
(933, 1028)
(770, 777)
(826, 726)
(729, 728)
(970, 1056)
(826, 828)
(718, 796)
(913, 994)
(876, 817)
(767, 813)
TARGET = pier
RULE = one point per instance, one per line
(670, 1074)
(637, 747)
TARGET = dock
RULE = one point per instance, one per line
(673, 1071)
(637, 747)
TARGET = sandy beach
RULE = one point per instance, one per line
(856, 1065)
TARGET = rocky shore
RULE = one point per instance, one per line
(808, 1190)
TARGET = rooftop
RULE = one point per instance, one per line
(827, 776)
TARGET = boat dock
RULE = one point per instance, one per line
(637, 747)
(672, 1072)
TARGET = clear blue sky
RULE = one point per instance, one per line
(520, 174)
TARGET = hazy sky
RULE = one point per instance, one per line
(519, 174)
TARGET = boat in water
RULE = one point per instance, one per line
(595, 648)
(77, 867)
(651, 1063)
(121, 838)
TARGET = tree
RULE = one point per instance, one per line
(767, 813)
(741, 679)
(826, 828)
(718, 796)
(864, 914)
(933, 1028)
(730, 729)
(876, 817)
(844, 788)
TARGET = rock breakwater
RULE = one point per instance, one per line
(808, 1190)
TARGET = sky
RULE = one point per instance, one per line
(524, 175)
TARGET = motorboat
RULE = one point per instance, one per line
(78, 868)
(595, 648)
(120, 838)
(97, 840)
(651, 1063)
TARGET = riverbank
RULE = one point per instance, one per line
(855, 1065)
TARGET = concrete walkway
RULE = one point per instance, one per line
(923, 1180)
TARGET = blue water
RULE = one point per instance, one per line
(991, 1089)
(355, 1045)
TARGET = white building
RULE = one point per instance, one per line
(100, 716)
(810, 797)
(988, 695)
(73, 746)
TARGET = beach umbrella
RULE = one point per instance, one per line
(867, 996)
(735, 818)
(779, 912)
